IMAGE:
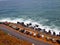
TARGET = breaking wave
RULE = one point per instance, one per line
(52, 27)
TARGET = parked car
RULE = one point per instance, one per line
(22, 31)
(27, 32)
(31, 33)
(1, 22)
(15, 27)
(34, 34)
(42, 36)
(49, 38)
(53, 40)
(10, 25)
(58, 41)
(38, 35)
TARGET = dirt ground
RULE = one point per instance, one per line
(6, 39)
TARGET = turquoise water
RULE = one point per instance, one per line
(44, 12)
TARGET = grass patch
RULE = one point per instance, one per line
(1, 43)
(5, 33)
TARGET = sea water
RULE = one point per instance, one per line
(46, 13)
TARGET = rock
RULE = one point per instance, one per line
(36, 25)
(54, 33)
(39, 29)
(22, 23)
(18, 23)
(44, 30)
(49, 32)
(30, 23)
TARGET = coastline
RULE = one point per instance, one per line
(29, 29)
(52, 28)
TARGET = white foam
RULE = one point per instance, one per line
(33, 23)
(11, 20)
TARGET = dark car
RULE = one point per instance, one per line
(22, 31)
(38, 35)
(27, 32)
(58, 41)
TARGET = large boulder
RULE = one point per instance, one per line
(49, 32)
(36, 25)
(54, 33)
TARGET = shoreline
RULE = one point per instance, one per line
(35, 32)
(53, 28)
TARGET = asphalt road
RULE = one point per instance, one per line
(18, 35)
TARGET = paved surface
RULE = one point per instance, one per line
(18, 35)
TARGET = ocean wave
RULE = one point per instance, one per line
(52, 27)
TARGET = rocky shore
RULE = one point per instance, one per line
(35, 32)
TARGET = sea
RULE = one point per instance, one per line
(45, 13)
